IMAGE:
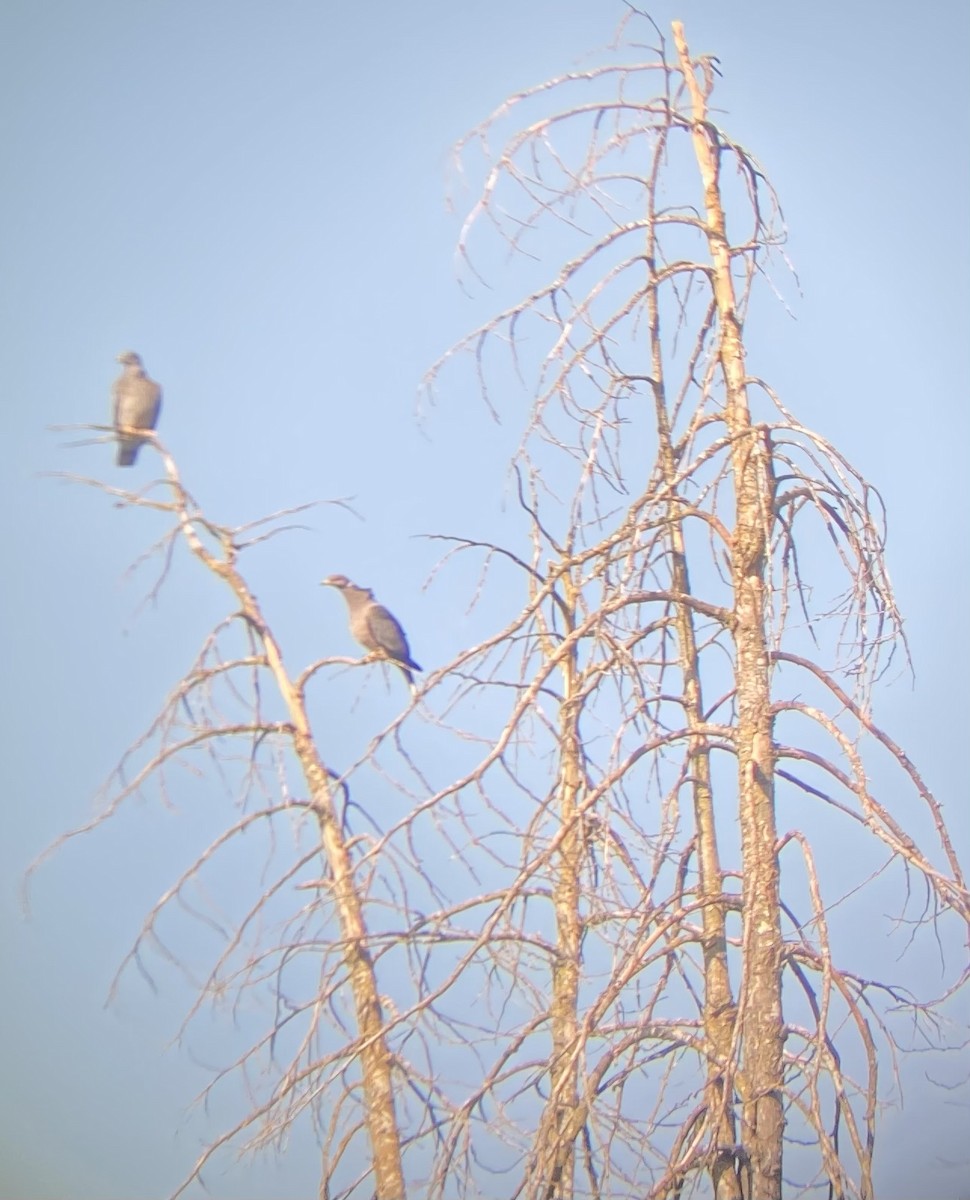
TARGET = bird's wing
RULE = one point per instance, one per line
(116, 394)
(154, 404)
(387, 633)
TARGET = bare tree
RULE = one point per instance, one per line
(589, 952)
(678, 513)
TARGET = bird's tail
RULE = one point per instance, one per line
(405, 664)
(127, 452)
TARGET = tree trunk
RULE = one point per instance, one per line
(762, 1031)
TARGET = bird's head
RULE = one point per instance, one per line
(129, 358)
(344, 584)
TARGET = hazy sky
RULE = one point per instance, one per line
(252, 195)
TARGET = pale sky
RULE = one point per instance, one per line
(252, 195)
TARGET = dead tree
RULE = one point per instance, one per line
(239, 693)
(672, 501)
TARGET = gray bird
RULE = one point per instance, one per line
(373, 626)
(135, 401)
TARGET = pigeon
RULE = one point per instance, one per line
(136, 400)
(373, 626)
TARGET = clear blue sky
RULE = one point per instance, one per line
(252, 196)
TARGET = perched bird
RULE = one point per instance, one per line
(135, 401)
(373, 626)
